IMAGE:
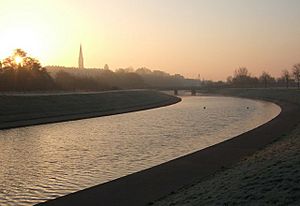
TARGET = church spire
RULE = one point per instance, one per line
(80, 60)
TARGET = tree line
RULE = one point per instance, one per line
(20, 72)
(243, 78)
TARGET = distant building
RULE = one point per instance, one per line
(80, 59)
(79, 71)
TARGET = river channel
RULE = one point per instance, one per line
(42, 162)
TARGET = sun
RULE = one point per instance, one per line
(20, 37)
(18, 60)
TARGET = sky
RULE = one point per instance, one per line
(190, 37)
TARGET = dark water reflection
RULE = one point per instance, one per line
(42, 162)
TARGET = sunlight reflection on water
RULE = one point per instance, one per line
(43, 162)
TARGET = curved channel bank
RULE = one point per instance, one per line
(144, 187)
(33, 109)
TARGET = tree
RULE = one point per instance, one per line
(106, 67)
(23, 73)
(265, 78)
(241, 72)
(143, 71)
(242, 78)
(296, 74)
(286, 76)
(229, 80)
(20, 60)
(129, 69)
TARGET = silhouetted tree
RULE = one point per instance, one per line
(241, 72)
(69, 82)
(160, 79)
(229, 80)
(286, 76)
(242, 78)
(129, 69)
(143, 71)
(296, 74)
(23, 73)
(19, 59)
(106, 67)
(266, 78)
(129, 80)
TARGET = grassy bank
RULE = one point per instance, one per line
(24, 110)
(286, 95)
(209, 169)
(271, 176)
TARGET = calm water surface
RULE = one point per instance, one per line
(43, 162)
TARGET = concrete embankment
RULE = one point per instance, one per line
(146, 187)
(30, 109)
(268, 177)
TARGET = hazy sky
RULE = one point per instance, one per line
(207, 37)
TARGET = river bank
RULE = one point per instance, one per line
(19, 110)
(270, 176)
(146, 187)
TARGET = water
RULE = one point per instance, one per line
(43, 162)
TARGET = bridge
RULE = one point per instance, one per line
(192, 89)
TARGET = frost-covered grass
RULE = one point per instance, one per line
(268, 177)
(15, 108)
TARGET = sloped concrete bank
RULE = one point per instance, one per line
(31, 109)
(146, 187)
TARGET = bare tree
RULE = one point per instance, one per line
(264, 77)
(286, 76)
(296, 74)
(241, 72)
(242, 78)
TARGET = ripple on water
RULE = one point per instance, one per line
(43, 162)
